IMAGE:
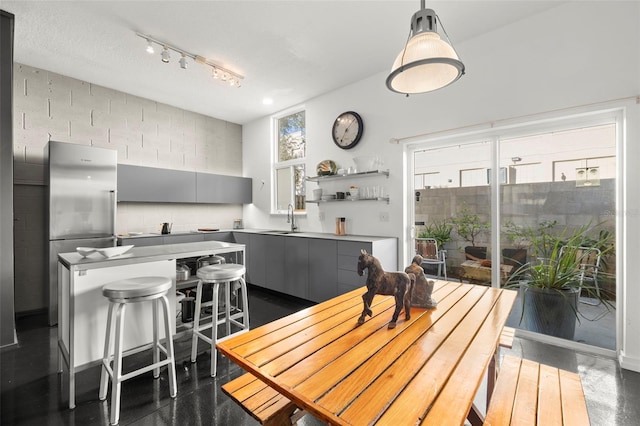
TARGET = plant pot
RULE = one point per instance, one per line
(515, 257)
(549, 311)
(475, 253)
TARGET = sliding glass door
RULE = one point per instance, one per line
(526, 205)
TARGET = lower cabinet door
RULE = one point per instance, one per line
(296, 266)
(323, 272)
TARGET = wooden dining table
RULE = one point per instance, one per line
(426, 371)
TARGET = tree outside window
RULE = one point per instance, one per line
(289, 168)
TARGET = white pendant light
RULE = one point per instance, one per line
(427, 62)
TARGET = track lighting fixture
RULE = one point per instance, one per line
(219, 72)
(165, 55)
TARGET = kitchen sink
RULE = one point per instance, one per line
(279, 232)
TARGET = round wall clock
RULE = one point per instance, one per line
(347, 129)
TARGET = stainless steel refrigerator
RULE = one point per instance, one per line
(82, 204)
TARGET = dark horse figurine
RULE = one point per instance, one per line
(397, 284)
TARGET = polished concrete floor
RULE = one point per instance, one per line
(34, 394)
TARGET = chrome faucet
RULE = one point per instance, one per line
(292, 220)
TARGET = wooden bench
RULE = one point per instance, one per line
(269, 407)
(533, 393)
(506, 337)
(262, 402)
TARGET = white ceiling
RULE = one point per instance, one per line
(290, 51)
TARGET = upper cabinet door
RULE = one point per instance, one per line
(223, 189)
(149, 184)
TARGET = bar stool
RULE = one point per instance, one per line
(120, 293)
(216, 275)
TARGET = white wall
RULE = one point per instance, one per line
(577, 54)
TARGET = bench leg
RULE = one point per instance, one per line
(475, 417)
(492, 375)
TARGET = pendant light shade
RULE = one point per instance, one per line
(427, 62)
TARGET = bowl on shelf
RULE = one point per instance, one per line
(364, 163)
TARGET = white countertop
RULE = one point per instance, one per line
(75, 261)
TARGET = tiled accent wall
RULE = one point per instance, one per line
(50, 106)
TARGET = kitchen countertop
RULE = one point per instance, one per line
(75, 261)
(323, 235)
(278, 232)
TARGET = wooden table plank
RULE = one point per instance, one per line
(526, 400)
(344, 374)
(376, 373)
(463, 384)
(337, 371)
(424, 368)
(276, 336)
(573, 409)
(504, 393)
(350, 298)
(339, 322)
(549, 405)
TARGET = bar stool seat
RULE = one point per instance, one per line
(121, 293)
(220, 274)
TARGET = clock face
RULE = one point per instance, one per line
(347, 129)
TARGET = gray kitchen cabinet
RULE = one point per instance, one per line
(212, 188)
(274, 255)
(140, 241)
(150, 184)
(296, 266)
(323, 269)
(226, 237)
(156, 185)
(182, 238)
(256, 259)
(255, 267)
(348, 252)
(315, 269)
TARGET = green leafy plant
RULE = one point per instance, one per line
(563, 262)
(440, 231)
(468, 225)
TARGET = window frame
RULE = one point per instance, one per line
(277, 165)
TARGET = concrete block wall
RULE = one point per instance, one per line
(523, 204)
(50, 106)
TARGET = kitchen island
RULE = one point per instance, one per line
(82, 314)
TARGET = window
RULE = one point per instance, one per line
(289, 167)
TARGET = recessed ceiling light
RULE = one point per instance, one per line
(267, 101)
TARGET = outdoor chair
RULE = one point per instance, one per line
(432, 255)
(589, 258)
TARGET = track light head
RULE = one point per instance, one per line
(183, 62)
(165, 55)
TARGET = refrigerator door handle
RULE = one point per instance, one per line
(114, 199)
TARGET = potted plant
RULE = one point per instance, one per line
(516, 255)
(469, 227)
(550, 286)
(440, 231)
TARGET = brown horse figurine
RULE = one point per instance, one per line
(397, 284)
